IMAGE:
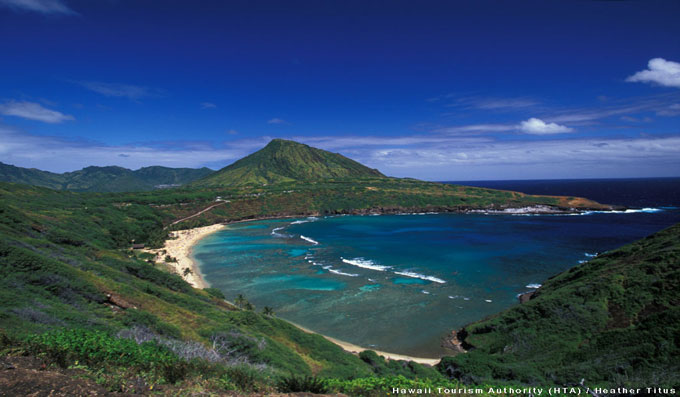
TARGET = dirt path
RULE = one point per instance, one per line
(196, 214)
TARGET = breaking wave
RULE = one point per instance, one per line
(309, 240)
(342, 273)
(275, 232)
(365, 263)
(421, 276)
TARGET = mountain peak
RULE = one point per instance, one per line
(288, 161)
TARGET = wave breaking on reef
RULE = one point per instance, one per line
(365, 263)
(334, 271)
(310, 240)
(421, 276)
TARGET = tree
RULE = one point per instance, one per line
(187, 271)
(268, 311)
(240, 301)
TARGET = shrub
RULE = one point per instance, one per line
(244, 377)
(215, 292)
(99, 350)
(297, 384)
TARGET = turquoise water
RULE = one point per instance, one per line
(400, 283)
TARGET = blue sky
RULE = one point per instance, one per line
(433, 90)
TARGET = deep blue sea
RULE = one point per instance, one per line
(399, 283)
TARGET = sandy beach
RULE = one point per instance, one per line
(352, 348)
(179, 247)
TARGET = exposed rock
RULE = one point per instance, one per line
(526, 297)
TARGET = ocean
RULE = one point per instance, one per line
(400, 283)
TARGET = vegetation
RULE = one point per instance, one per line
(613, 321)
(73, 292)
(287, 161)
(104, 179)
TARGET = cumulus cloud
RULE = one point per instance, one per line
(659, 71)
(33, 111)
(277, 120)
(133, 92)
(40, 6)
(536, 126)
(208, 105)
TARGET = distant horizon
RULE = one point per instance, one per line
(436, 90)
(390, 176)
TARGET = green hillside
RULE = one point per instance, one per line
(613, 321)
(30, 176)
(103, 179)
(73, 293)
(287, 161)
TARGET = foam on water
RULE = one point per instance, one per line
(365, 263)
(342, 273)
(309, 240)
(534, 286)
(590, 255)
(421, 276)
(647, 210)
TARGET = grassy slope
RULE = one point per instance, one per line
(287, 161)
(613, 321)
(62, 253)
(60, 256)
(103, 179)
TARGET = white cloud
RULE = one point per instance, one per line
(208, 105)
(659, 71)
(476, 129)
(41, 6)
(536, 126)
(59, 155)
(433, 157)
(277, 120)
(33, 111)
(490, 103)
(671, 110)
(545, 159)
(129, 91)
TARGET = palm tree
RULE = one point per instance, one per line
(248, 306)
(268, 311)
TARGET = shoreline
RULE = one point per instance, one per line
(356, 349)
(180, 247)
